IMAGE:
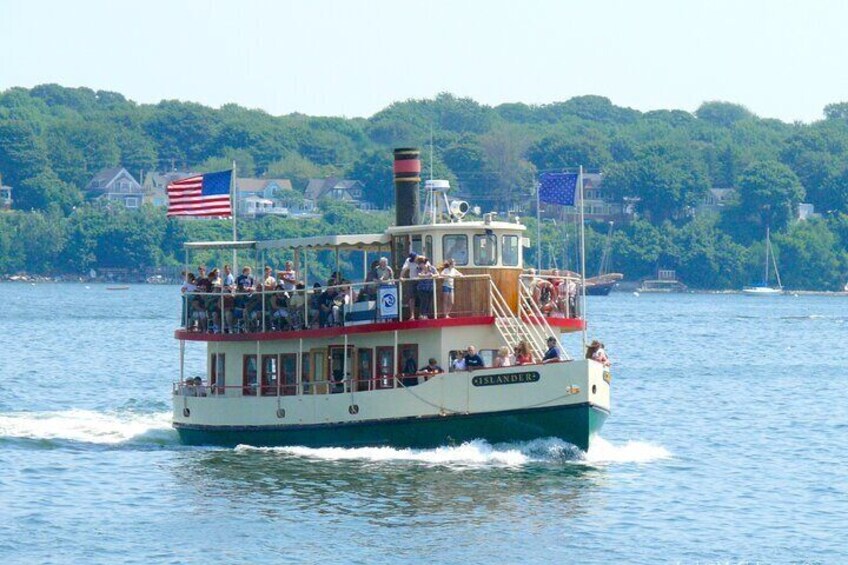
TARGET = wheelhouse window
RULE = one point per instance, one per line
(485, 250)
(249, 374)
(269, 375)
(217, 377)
(510, 251)
(455, 246)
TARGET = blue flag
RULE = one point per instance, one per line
(558, 188)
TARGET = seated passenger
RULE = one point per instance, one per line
(199, 387)
(596, 351)
(552, 355)
(504, 358)
(432, 367)
(473, 359)
(522, 354)
(280, 310)
(458, 363)
(198, 313)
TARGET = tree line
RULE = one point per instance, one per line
(53, 140)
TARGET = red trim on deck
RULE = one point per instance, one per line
(566, 324)
(337, 331)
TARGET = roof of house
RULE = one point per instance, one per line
(259, 185)
(318, 188)
(105, 176)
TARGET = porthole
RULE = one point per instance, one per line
(281, 413)
(594, 389)
(353, 409)
(186, 412)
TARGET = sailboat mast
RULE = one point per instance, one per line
(768, 248)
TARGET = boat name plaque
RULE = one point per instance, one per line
(506, 379)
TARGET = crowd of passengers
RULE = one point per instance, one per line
(219, 302)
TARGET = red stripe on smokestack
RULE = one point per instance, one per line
(408, 166)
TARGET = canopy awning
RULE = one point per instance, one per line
(220, 245)
(361, 242)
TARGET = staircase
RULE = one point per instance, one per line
(514, 329)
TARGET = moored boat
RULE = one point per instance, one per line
(393, 360)
(764, 289)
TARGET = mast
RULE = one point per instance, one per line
(768, 248)
(582, 257)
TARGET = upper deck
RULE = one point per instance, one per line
(488, 283)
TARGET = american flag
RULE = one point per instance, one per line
(558, 188)
(202, 195)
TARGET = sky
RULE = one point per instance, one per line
(781, 59)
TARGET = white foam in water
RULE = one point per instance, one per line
(602, 452)
(82, 425)
(479, 453)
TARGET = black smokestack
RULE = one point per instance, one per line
(407, 169)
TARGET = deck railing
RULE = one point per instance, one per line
(554, 296)
(266, 309)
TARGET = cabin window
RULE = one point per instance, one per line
(304, 373)
(426, 249)
(269, 375)
(485, 250)
(249, 375)
(385, 375)
(510, 251)
(364, 369)
(288, 374)
(455, 247)
(217, 376)
(339, 378)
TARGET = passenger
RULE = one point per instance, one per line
(245, 279)
(326, 307)
(229, 280)
(214, 305)
(280, 310)
(296, 302)
(188, 388)
(409, 372)
(449, 274)
(268, 281)
(409, 272)
(288, 277)
(199, 387)
(315, 305)
(571, 292)
(432, 367)
(228, 303)
(199, 316)
(202, 282)
(552, 355)
(458, 363)
(544, 296)
(522, 354)
(384, 271)
(473, 359)
(424, 288)
(252, 315)
(189, 285)
(598, 353)
(504, 358)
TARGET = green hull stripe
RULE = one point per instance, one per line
(574, 423)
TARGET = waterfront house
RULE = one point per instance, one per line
(155, 186)
(340, 190)
(5, 197)
(115, 187)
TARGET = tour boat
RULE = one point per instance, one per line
(343, 367)
(764, 289)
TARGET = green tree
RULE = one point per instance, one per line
(47, 192)
(769, 193)
(374, 170)
(722, 114)
(22, 154)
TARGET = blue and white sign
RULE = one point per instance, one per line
(388, 301)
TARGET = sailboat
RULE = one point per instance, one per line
(604, 282)
(764, 289)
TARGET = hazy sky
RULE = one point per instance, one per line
(781, 59)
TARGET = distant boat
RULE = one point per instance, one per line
(117, 288)
(764, 289)
(604, 282)
(666, 281)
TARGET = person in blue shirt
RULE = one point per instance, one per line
(552, 355)
(473, 359)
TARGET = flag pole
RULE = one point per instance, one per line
(582, 258)
(234, 209)
(538, 231)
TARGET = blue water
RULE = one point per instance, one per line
(727, 444)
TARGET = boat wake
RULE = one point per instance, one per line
(479, 453)
(88, 427)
